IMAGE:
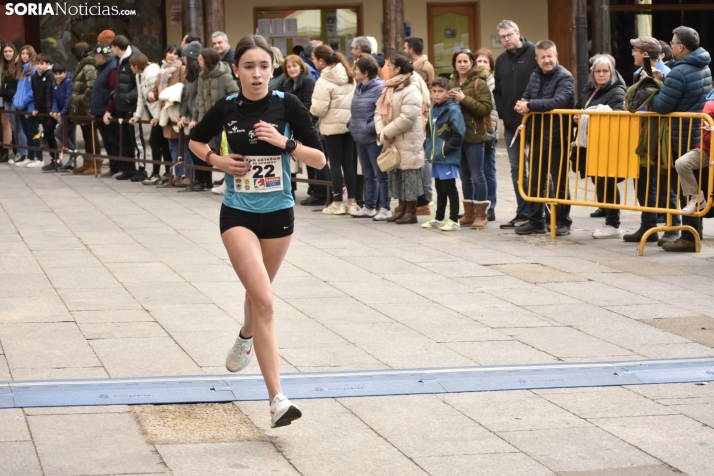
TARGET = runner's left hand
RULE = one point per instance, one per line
(269, 134)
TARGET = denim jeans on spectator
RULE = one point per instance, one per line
(16, 125)
(187, 157)
(646, 191)
(31, 126)
(513, 152)
(376, 182)
(174, 148)
(489, 170)
(473, 180)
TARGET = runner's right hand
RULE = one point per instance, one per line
(233, 164)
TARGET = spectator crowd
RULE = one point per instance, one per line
(390, 128)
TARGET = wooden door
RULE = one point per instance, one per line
(452, 26)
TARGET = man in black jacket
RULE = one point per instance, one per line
(551, 87)
(125, 97)
(512, 72)
(220, 43)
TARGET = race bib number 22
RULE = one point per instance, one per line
(266, 175)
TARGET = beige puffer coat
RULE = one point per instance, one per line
(406, 127)
(332, 100)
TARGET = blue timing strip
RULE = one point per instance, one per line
(229, 387)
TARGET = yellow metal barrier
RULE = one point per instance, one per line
(616, 161)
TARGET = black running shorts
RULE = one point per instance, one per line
(265, 225)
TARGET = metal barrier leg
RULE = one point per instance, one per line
(553, 219)
(668, 228)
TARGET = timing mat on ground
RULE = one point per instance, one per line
(366, 383)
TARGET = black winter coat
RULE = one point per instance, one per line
(8, 88)
(545, 92)
(512, 73)
(42, 86)
(303, 90)
(612, 95)
(126, 92)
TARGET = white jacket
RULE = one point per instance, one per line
(406, 127)
(171, 98)
(147, 80)
(332, 100)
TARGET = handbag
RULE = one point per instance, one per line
(389, 158)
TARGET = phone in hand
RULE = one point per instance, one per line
(648, 65)
(456, 89)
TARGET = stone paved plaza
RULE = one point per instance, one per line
(100, 278)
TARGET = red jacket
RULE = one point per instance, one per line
(707, 135)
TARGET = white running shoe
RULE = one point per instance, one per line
(382, 215)
(220, 190)
(450, 225)
(24, 163)
(433, 223)
(608, 232)
(282, 412)
(695, 200)
(335, 209)
(352, 209)
(240, 355)
(35, 164)
(364, 213)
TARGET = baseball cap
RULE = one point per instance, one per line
(648, 44)
(102, 49)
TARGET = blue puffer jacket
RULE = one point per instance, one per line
(445, 131)
(545, 92)
(62, 95)
(685, 90)
(364, 102)
(24, 99)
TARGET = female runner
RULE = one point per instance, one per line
(256, 219)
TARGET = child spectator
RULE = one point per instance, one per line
(24, 101)
(61, 95)
(445, 131)
(42, 86)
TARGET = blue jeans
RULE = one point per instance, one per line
(17, 128)
(187, 159)
(473, 180)
(489, 170)
(173, 147)
(522, 210)
(376, 182)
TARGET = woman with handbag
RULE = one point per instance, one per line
(469, 86)
(605, 87)
(399, 126)
(368, 91)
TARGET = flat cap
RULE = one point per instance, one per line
(648, 44)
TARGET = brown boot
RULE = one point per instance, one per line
(468, 218)
(423, 210)
(409, 214)
(86, 163)
(479, 210)
(91, 164)
(398, 212)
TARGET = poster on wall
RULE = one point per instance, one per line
(176, 15)
(281, 44)
(291, 27)
(334, 43)
(331, 23)
(264, 27)
(278, 27)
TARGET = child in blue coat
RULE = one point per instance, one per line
(445, 131)
(61, 95)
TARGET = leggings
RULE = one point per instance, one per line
(159, 150)
(340, 148)
(446, 189)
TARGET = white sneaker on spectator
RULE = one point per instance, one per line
(608, 232)
(354, 208)
(382, 215)
(24, 163)
(220, 190)
(240, 355)
(35, 164)
(334, 209)
(364, 213)
(282, 412)
(695, 200)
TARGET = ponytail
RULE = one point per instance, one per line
(326, 54)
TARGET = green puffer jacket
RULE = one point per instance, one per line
(654, 139)
(83, 82)
(474, 108)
